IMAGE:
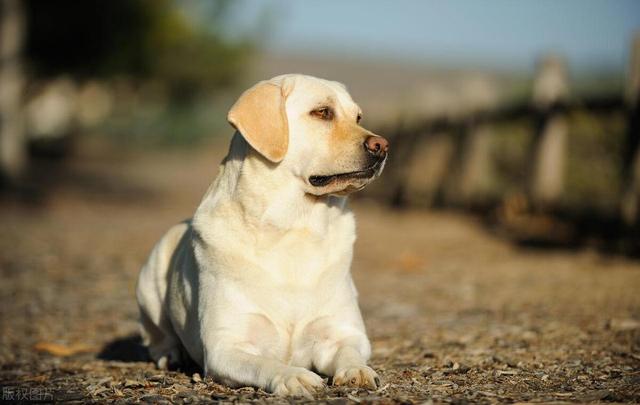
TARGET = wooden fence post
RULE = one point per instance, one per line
(547, 171)
(474, 178)
(475, 164)
(430, 147)
(630, 206)
(470, 178)
(428, 168)
(402, 157)
(12, 142)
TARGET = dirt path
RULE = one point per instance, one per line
(454, 314)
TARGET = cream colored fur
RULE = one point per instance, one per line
(256, 288)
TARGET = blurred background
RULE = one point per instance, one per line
(524, 111)
(514, 171)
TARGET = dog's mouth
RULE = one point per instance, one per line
(367, 173)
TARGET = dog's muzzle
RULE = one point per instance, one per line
(367, 173)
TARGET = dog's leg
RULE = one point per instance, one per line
(163, 344)
(236, 367)
(352, 370)
(166, 354)
(346, 361)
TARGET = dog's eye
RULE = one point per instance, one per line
(324, 113)
(358, 118)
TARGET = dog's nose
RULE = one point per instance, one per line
(376, 145)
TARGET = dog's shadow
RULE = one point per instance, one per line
(126, 349)
(130, 349)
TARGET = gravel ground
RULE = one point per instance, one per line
(454, 314)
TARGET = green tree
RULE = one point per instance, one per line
(146, 39)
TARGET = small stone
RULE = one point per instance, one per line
(154, 399)
(500, 373)
(428, 355)
(184, 392)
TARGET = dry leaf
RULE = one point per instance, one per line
(60, 350)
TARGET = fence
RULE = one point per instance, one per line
(461, 179)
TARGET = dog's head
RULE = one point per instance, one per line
(310, 128)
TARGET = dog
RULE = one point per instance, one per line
(256, 288)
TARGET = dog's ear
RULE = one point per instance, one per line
(260, 116)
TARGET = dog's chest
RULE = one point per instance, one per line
(271, 284)
(302, 255)
(302, 258)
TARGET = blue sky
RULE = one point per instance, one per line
(498, 33)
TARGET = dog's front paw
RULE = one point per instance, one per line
(296, 381)
(357, 376)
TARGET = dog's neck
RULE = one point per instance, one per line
(269, 197)
(273, 197)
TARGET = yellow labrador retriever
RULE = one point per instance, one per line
(257, 288)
